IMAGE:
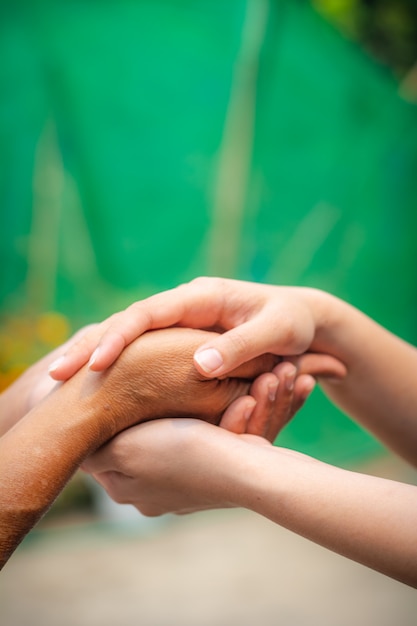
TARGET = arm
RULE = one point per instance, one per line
(42, 450)
(32, 386)
(379, 390)
(186, 465)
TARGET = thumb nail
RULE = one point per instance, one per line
(209, 360)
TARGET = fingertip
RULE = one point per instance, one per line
(61, 369)
(304, 386)
(273, 389)
(309, 383)
(208, 361)
(107, 351)
(54, 367)
(250, 407)
(92, 363)
(105, 354)
(237, 416)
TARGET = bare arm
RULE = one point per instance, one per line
(185, 465)
(379, 390)
(41, 452)
(32, 386)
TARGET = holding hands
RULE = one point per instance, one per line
(351, 350)
(243, 356)
(254, 319)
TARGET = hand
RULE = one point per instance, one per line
(39, 382)
(277, 396)
(155, 377)
(254, 318)
(274, 399)
(170, 466)
(150, 467)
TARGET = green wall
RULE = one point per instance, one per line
(143, 143)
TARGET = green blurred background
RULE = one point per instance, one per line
(143, 143)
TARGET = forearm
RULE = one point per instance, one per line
(367, 519)
(379, 390)
(27, 391)
(184, 465)
(40, 454)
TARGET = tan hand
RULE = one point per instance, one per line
(155, 377)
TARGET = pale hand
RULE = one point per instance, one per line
(254, 318)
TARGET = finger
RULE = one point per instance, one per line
(303, 387)
(194, 305)
(286, 373)
(255, 367)
(188, 305)
(264, 390)
(105, 458)
(268, 331)
(319, 365)
(77, 353)
(237, 415)
(116, 484)
(230, 350)
(96, 463)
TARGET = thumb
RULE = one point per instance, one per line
(228, 351)
(320, 365)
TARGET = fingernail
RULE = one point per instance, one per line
(249, 411)
(309, 389)
(272, 391)
(209, 360)
(289, 379)
(93, 357)
(55, 364)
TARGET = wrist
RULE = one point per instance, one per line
(331, 318)
(274, 480)
(245, 471)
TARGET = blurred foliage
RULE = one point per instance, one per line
(387, 28)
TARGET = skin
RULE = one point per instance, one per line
(44, 448)
(184, 465)
(32, 386)
(367, 519)
(48, 430)
(286, 321)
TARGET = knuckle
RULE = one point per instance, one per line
(84, 331)
(239, 343)
(289, 336)
(199, 281)
(207, 283)
(140, 310)
(82, 346)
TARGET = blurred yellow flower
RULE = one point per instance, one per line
(52, 328)
(25, 339)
